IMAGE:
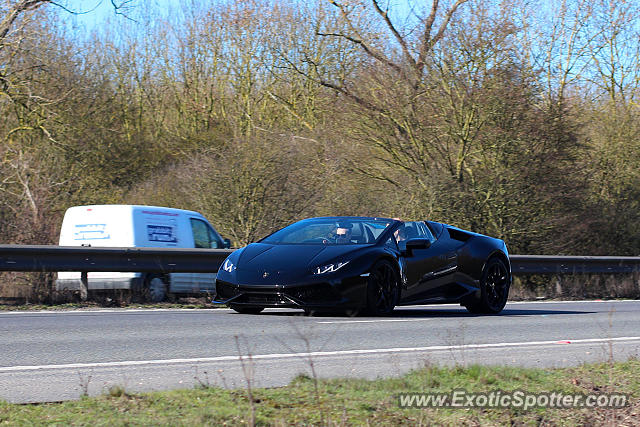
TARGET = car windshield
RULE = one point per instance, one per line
(330, 231)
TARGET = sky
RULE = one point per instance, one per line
(91, 13)
(95, 13)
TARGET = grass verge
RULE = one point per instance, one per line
(352, 402)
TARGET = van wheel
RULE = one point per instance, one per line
(155, 288)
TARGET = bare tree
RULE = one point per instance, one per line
(32, 88)
(249, 188)
(615, 50)
(410, 64)
(564, 46)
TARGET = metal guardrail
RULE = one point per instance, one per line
(551, 264)
(79, 258)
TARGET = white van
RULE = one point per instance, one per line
(138, 226)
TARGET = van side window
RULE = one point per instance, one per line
(216, 243)
(203, 236)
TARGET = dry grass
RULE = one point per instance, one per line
(351, 402)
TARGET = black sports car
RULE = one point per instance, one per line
(362, 264)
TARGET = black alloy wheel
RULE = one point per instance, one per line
(494, 288)
(382, 289)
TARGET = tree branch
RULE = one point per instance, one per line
(374, 54)
(428, 42)
(368, 49)
(13, 14)
(360, 101)
(394, 31)
(426, 37)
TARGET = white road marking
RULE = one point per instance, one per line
(117, 310)
(526, 302)
(376, 321)
(316, 354)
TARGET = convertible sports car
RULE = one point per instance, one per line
(369, 265)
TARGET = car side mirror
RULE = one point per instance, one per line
(226, 243)
(418, 244)
(412, 244)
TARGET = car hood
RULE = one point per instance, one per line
(288, 261)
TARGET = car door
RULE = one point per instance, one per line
(426, 270)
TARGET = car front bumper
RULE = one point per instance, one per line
(345, 293)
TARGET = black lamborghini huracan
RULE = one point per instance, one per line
(369, 265)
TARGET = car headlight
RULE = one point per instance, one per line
(330, 268)
(228, 266)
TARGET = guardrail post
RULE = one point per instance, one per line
(558, 284)
(84, 287)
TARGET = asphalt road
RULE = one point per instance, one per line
(53, 356)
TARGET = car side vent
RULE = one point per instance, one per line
(459, 234)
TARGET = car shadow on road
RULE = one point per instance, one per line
(409, 313)
(462, 312)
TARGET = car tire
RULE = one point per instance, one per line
(155, 288)
(494, 289)
(246, 310)
(383, 289)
